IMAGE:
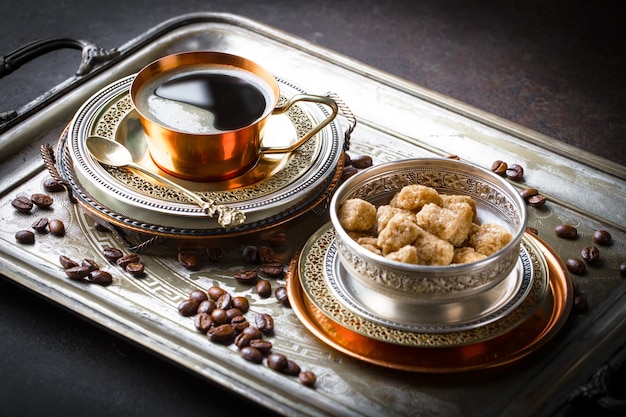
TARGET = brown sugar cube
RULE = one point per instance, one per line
(356, 215)
(406, 254)
(400, 231)
(449, 201)
(431, 250)
(414, 197)
(370, 243)
(444, 223)
(386, 212)
(465, 215)
(489, 238)
(466, 255)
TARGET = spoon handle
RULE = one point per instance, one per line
(189, 194)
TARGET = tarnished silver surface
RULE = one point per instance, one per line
(397, 120)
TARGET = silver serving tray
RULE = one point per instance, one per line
(397, 119)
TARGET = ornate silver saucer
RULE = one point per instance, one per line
(276, 184)
(330, 289)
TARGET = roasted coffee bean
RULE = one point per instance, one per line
(241, 303)
(307, 378)
(224, 333)
(112, 254)
(251, 354)
(602, 237)
(127, 259)
(207, 306)
(215, 292)
(538, 200)
(198, 295)
(281, 296)
(43, 201)
(264, 346)
(622, 269)
(526, 193)
(532, 230)
(136, 269)
(66, 262)
(77, 273)
(264, 322)
(499, 167)
(232, 312)
(576, 266)
(25, 236)
(239, 323)
(253, 332)
(202, 322)
(347, 159)
(348, 172)
(515, 172)
(272, 269)
(188, 259)
(188, 307)
(263, 288)
(292, 368)
(278, 239)
(100, 277)
(266, 254)
(566, 231)
(277, 361)
(361, 162)
(56, 227)
(242, 340)
(90, 263)
(591, 254)
(251, 254)
(219, 316)
(581, 304)
(22, 204)
(246, 276)
(53, 185)
(40, 224)
(215, 254)
(452, 156)
(224, 301)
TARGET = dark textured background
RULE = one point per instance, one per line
(557, 67)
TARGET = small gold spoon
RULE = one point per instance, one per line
(112, 153)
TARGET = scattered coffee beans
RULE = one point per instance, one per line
(278, 239)
(265, 323)
(188, 259)
(266, 254)
(281, 296)
(77, 273)
(42, 200)
(66, 262)
(576, 266)
(526, 193)
(112, 254)
(566, 231)
(25, 236)
(246, 276)
(537, 200)
(215, 292)
(224, 333)
(251, 254)
(127, 259)
(277, 361)
(56, 227)
(581, 304)
(515, 172)
(307, 378)
(100, 277)
(252, 354)
(22, 204)
(622, 269)
(591, 254)
(362, 162)
(89, 263)
(188, 307)
(40, 225)
(215, 254)
(263, 288)
(136, 269)
(499, 167)
(602, 237)
(348, 172)
(272, 269)
(53, 186)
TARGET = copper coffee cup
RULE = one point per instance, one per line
(204, 153)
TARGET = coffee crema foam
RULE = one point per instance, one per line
(191, 109)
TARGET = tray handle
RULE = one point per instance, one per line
(345, 111)
(91, 55)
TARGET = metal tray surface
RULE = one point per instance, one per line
(396, 120)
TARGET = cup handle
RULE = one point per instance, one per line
(293, 100)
